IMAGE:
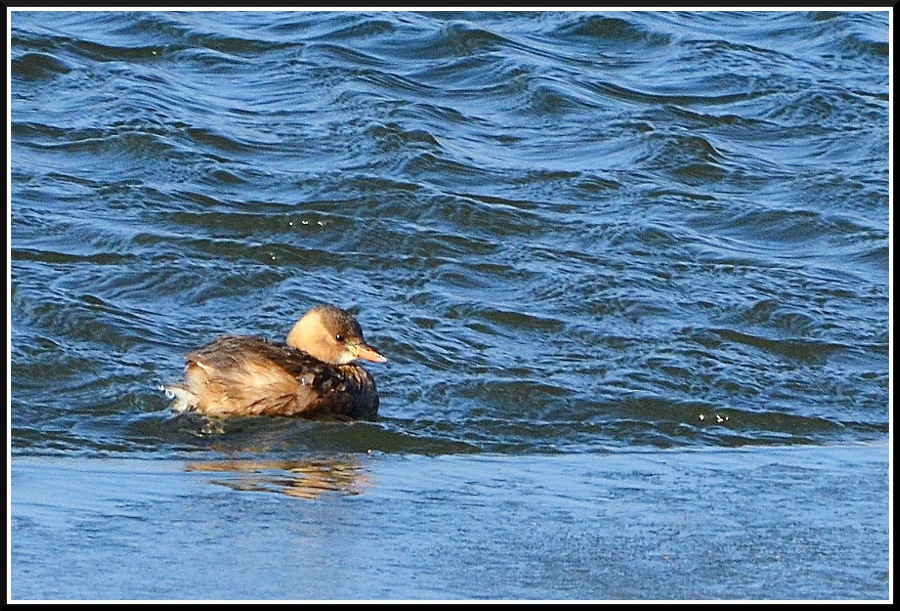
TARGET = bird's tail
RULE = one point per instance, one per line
(183, 400)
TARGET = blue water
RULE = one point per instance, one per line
(675, 524)
(578, 238)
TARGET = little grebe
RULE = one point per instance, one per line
(313, 375)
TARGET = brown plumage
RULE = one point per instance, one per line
(313, 375)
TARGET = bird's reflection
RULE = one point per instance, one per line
(304, 479)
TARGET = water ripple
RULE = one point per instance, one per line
(569, 231)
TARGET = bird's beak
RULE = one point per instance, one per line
(366, 352)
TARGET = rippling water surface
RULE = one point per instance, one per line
(571, 233)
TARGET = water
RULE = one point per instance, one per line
(627, 525)
(579, 238)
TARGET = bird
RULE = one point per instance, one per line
(313, 375)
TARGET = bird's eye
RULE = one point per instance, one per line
(339, 337)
